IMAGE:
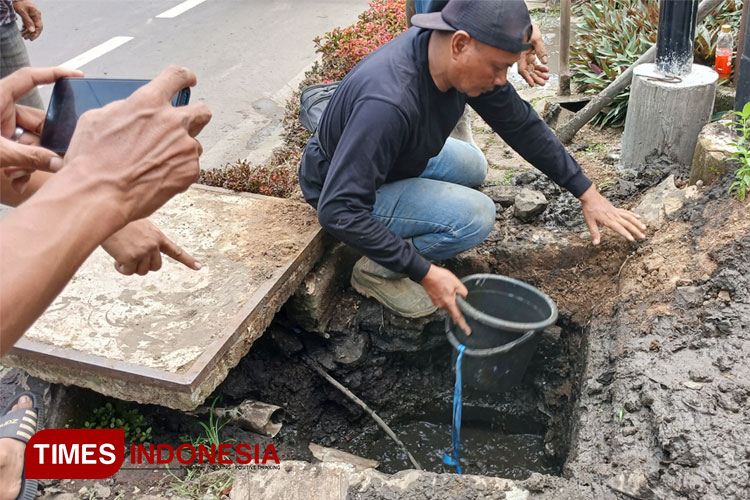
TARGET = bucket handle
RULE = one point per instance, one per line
(489, 351)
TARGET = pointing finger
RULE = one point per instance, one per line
(173, 250)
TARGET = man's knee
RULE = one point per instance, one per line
(473, 164)
(478, 214)
(480, 165)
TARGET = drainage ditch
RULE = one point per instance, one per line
(511, 434)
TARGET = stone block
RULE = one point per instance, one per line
(334, 481)
(313, 301)
(712, 153)
(660, 202)
(504, 196)
(171, 337)
(724, 100)
(529, 204)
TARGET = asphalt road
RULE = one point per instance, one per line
(247, 54)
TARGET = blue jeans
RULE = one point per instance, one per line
(439, 210)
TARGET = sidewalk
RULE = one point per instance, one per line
(536, 4)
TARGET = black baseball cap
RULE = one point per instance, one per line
(503, 24)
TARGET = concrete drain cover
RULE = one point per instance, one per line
(170, 337)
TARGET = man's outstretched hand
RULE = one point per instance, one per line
(528, 66)
(597, 210)
(442, 286)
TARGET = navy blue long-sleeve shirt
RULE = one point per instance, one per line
(385, 121)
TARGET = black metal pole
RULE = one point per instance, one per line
(743, 81)
(674, 44)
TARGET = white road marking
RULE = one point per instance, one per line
(179, 9)
(97, 51)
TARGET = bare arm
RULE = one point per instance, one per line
(43, 243)
(113, 173)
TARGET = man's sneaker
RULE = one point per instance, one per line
(395, 291)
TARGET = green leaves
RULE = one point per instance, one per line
(613, 34)
(120, 416)
(742, 154)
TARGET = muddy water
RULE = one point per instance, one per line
(484, 450)
(404, 371)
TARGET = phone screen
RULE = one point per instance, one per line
(71, 97)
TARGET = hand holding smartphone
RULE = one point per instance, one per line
(71, 97)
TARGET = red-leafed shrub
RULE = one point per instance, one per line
(269, 180)
(340, 49)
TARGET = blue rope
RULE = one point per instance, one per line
(457, 406)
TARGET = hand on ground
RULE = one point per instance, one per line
(137, 248)
(598, 211)
(442, 286)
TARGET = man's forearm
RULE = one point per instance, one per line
(44, 241)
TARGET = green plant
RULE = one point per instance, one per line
(509, 176)
(342, 48)
(596, 147)
(742, 155)
(612, 34)
(278, 180)
(212, 429)
(606, 185)
(120, 415)
(200, 483)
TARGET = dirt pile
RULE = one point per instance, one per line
(663, 410)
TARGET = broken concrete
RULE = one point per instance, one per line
(312, 303)
(503, 196)
(333, 455)
(335, 481)
(171, 337)
(660, 202)
(712, 153)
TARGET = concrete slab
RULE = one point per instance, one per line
(170, 337)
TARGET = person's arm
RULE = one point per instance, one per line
(113, 173)
(359, 166)
(136, 248)
(45, 240)
(365, 153)
(517, 123)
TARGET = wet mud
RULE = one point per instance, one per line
(403, 369)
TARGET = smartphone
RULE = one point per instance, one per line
(71, 97)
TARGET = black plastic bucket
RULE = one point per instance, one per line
(506, 317)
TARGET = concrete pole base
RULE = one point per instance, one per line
(666, 118)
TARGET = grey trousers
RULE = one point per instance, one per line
(13, 56)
